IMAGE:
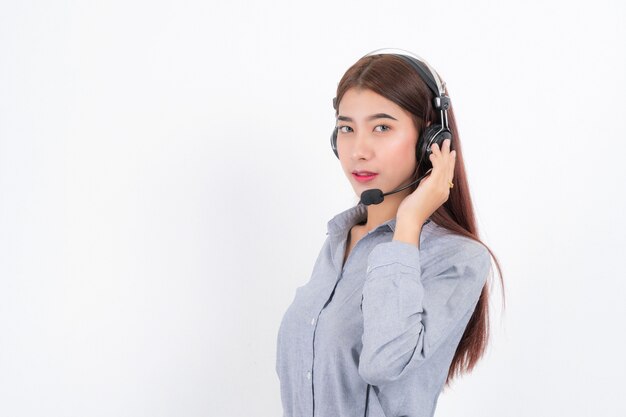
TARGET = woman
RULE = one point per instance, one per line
(397, 303)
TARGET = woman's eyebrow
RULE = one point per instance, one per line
(372, 117)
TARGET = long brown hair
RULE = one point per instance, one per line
(393, 78)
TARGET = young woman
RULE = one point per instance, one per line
(397, 303)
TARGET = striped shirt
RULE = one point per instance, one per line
(378, 335)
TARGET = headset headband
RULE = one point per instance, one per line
(429, 75)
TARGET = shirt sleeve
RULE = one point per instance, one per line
(407, 316)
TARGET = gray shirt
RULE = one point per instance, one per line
(382, 331)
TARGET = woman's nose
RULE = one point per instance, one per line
(362, 146)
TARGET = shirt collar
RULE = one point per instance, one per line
(356, 214)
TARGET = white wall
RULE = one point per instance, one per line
(166, 179)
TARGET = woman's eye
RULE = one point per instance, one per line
(385, 126)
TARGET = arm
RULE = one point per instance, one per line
(408, 231)
(407, 316)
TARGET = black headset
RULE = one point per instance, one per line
(436, 132)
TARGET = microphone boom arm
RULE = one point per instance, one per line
(409, 184)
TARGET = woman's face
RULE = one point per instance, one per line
(374, 134)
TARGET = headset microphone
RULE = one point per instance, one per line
(376, 196)
(435, 133)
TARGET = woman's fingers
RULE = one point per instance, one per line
(435, 154)
(452, 163)
(445, 158)
(445, 147)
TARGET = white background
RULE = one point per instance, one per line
(166, 179)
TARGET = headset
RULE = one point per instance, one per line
(436, 132)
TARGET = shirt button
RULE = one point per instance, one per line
(308, 375)
(313, 321)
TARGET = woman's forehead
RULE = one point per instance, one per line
(364, 103)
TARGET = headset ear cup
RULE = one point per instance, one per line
(441, 136)
(424, 146)
(430, 136)
(333, 142)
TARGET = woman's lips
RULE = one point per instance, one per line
(364, 178)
